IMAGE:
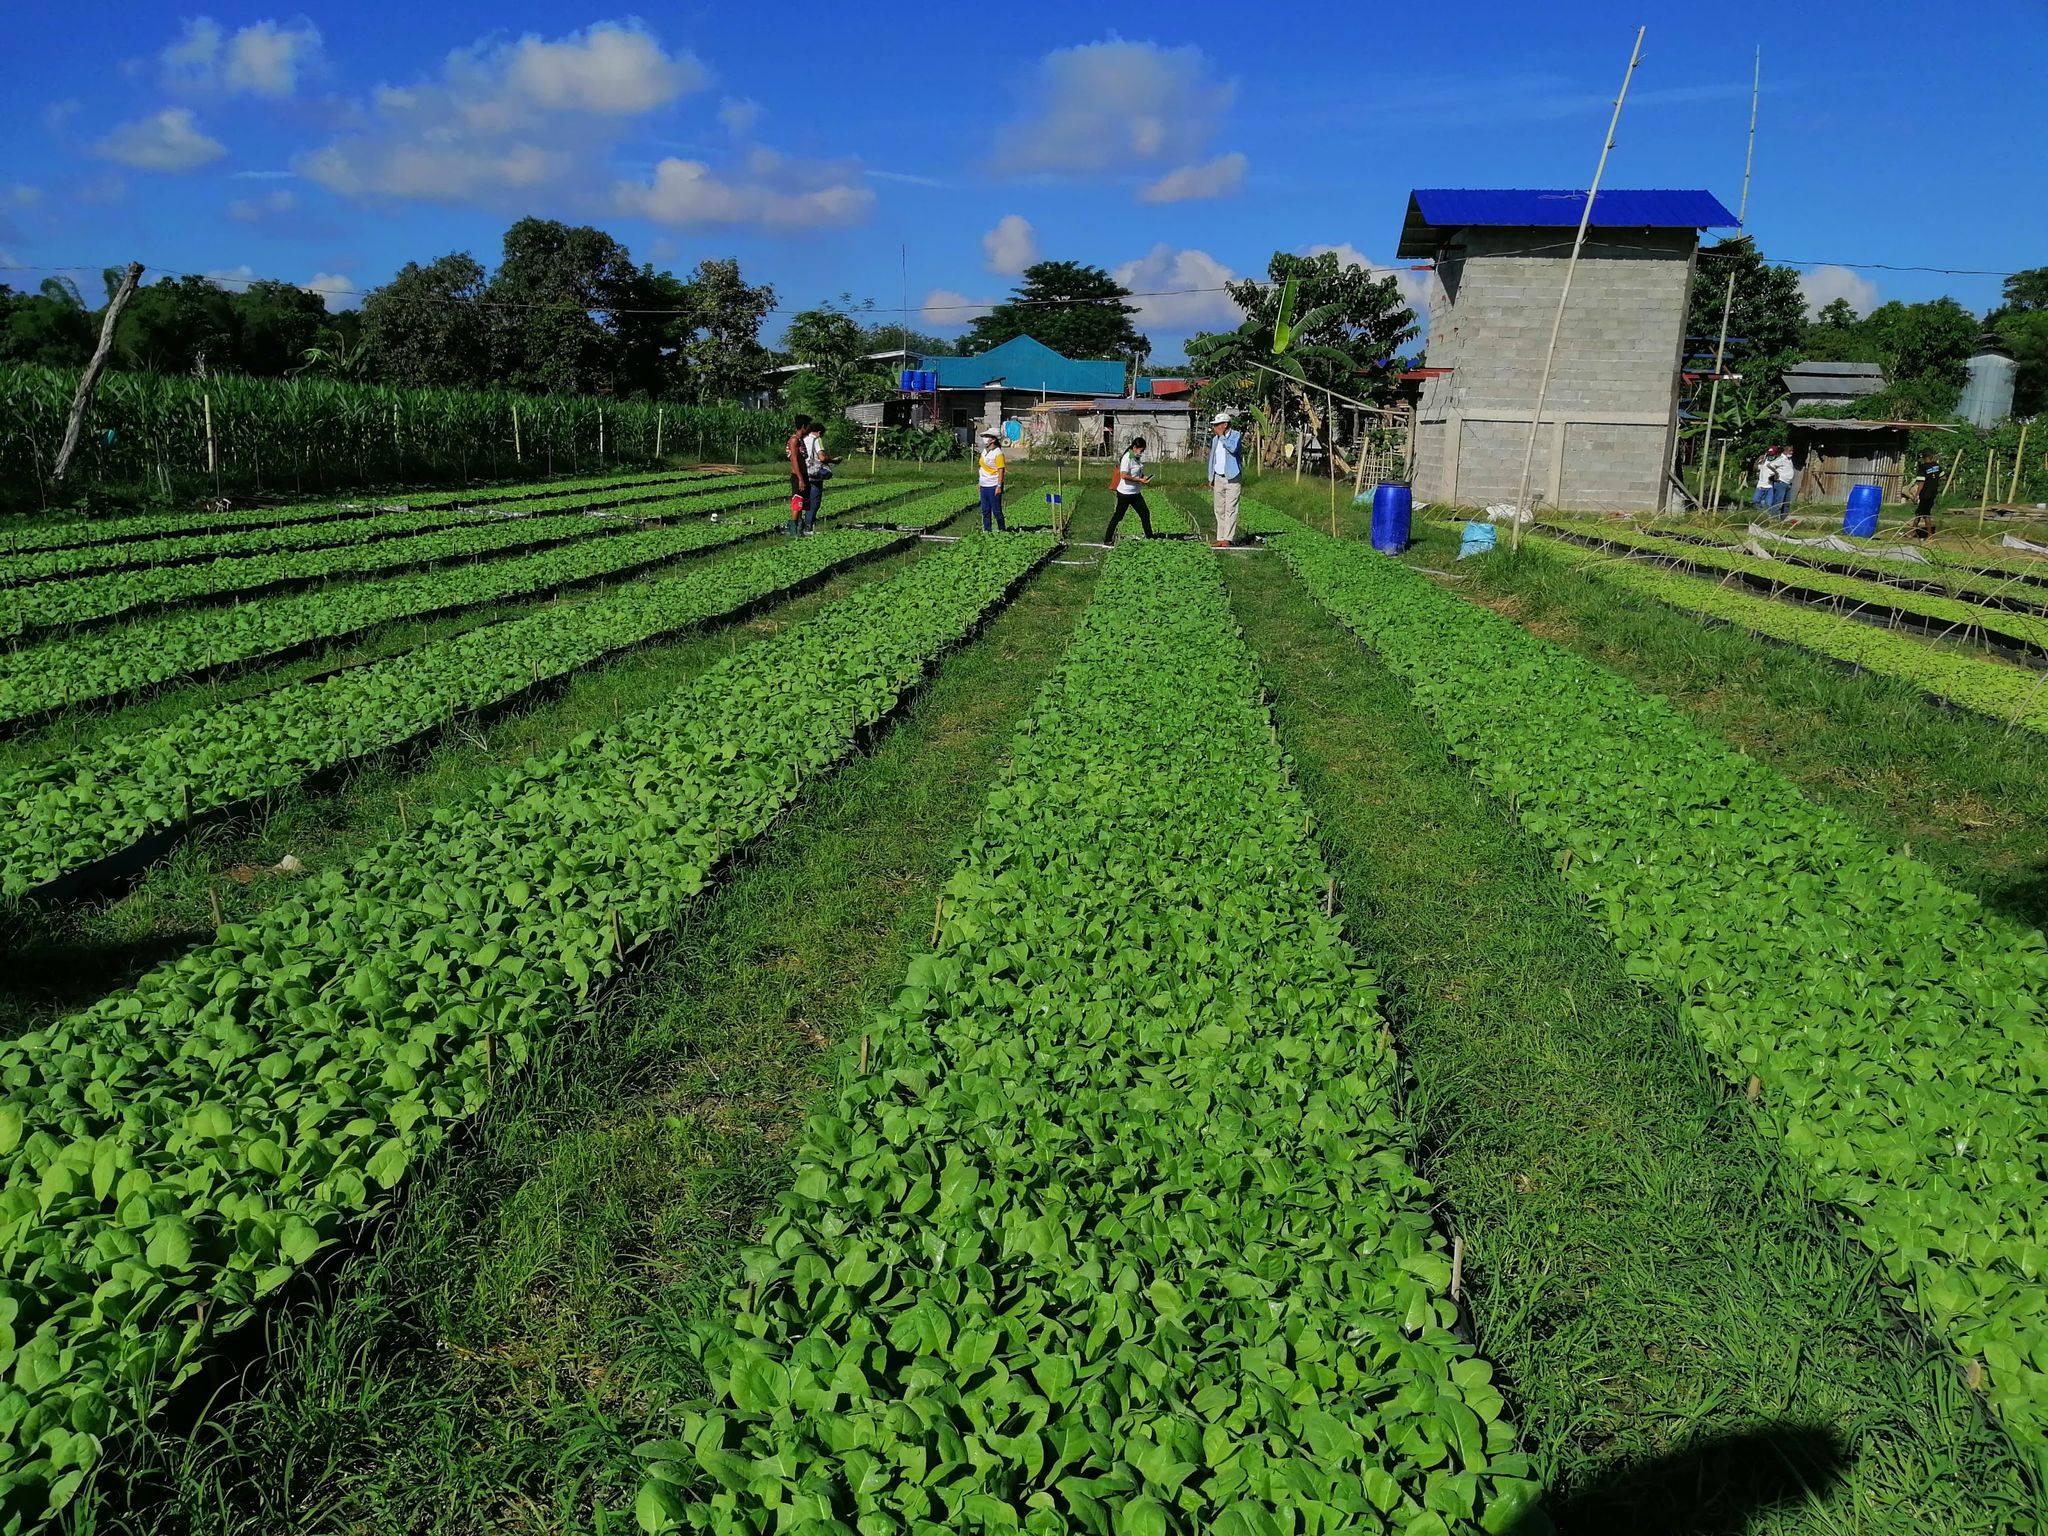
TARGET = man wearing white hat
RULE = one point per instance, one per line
(1224, 472)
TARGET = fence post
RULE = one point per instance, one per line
(212, 455)
(600, 436)
(657, 433)
(518, 457)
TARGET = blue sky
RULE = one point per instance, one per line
(1176, 146)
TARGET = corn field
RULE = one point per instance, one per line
(164, 438)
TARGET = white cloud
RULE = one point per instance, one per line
(739, 115)
(102, 190)
(1012, 245)
(608, 68)
(775, 193)
(1414, 285)
(1211, 178)
(262, 59)
(946, 310)
(255, 210)
(190, 62)
(1167, 273)
(332, 286)
(504, 121)
(169, 140)
(237, 277)
(1823, 285)
(1114, 106)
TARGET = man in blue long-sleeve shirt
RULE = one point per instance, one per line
(1224, 473)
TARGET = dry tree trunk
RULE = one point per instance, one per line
(89, 380)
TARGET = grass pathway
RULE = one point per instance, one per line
(492, 1367)
(1688, 1344)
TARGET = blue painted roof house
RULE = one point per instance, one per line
(1024, 364)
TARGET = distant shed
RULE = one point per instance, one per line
(1814, 382)
(1830, 455)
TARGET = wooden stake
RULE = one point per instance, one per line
(212, 453)
(1984, 500)
(517, 455)
(618, 935)
(657, 431)
(1457, 1267)
(938, 921)
(863, 1055)
(1571, 269)
(1720, 475)
(185, 792)
(2019, 459)
(403, 824)
(88, 381)
(213, 900)
(600, 437)
(1330, 898)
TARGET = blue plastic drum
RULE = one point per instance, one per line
(1859, 518)
(1393, 513)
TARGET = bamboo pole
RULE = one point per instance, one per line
(600, 435)
(1330, 454)
(212, 452)
(2019, 459)
(88, 381)
(518, 456)
(1720, 474)
(657, 433)
(1571, 268)
(1728, 295)
(1984, 499)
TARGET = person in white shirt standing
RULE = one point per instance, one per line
(990, 480)
(1781, 480)
(1129, 484)
(1224, 474)
(817, 470)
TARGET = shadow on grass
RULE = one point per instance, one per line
(1723, 1485)
(52, 970)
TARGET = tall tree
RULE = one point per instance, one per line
(1077, 310)
(427, 326)
(550, 300)
(276, 322)
(50, 326)
(2027, 290)
(1317, 324)
(722, 352)
(1769, 313)
(176, 325)
(832, 347)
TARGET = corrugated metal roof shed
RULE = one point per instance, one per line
(1435, 211)
(1024, 363)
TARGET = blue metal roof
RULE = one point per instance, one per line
(1435, 211)
(1022, 363)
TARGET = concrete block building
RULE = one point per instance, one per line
(1609, 416)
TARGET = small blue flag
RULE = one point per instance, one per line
(1052, 498)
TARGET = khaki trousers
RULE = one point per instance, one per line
(1225, 494)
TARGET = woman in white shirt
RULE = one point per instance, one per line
(1129, 485)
